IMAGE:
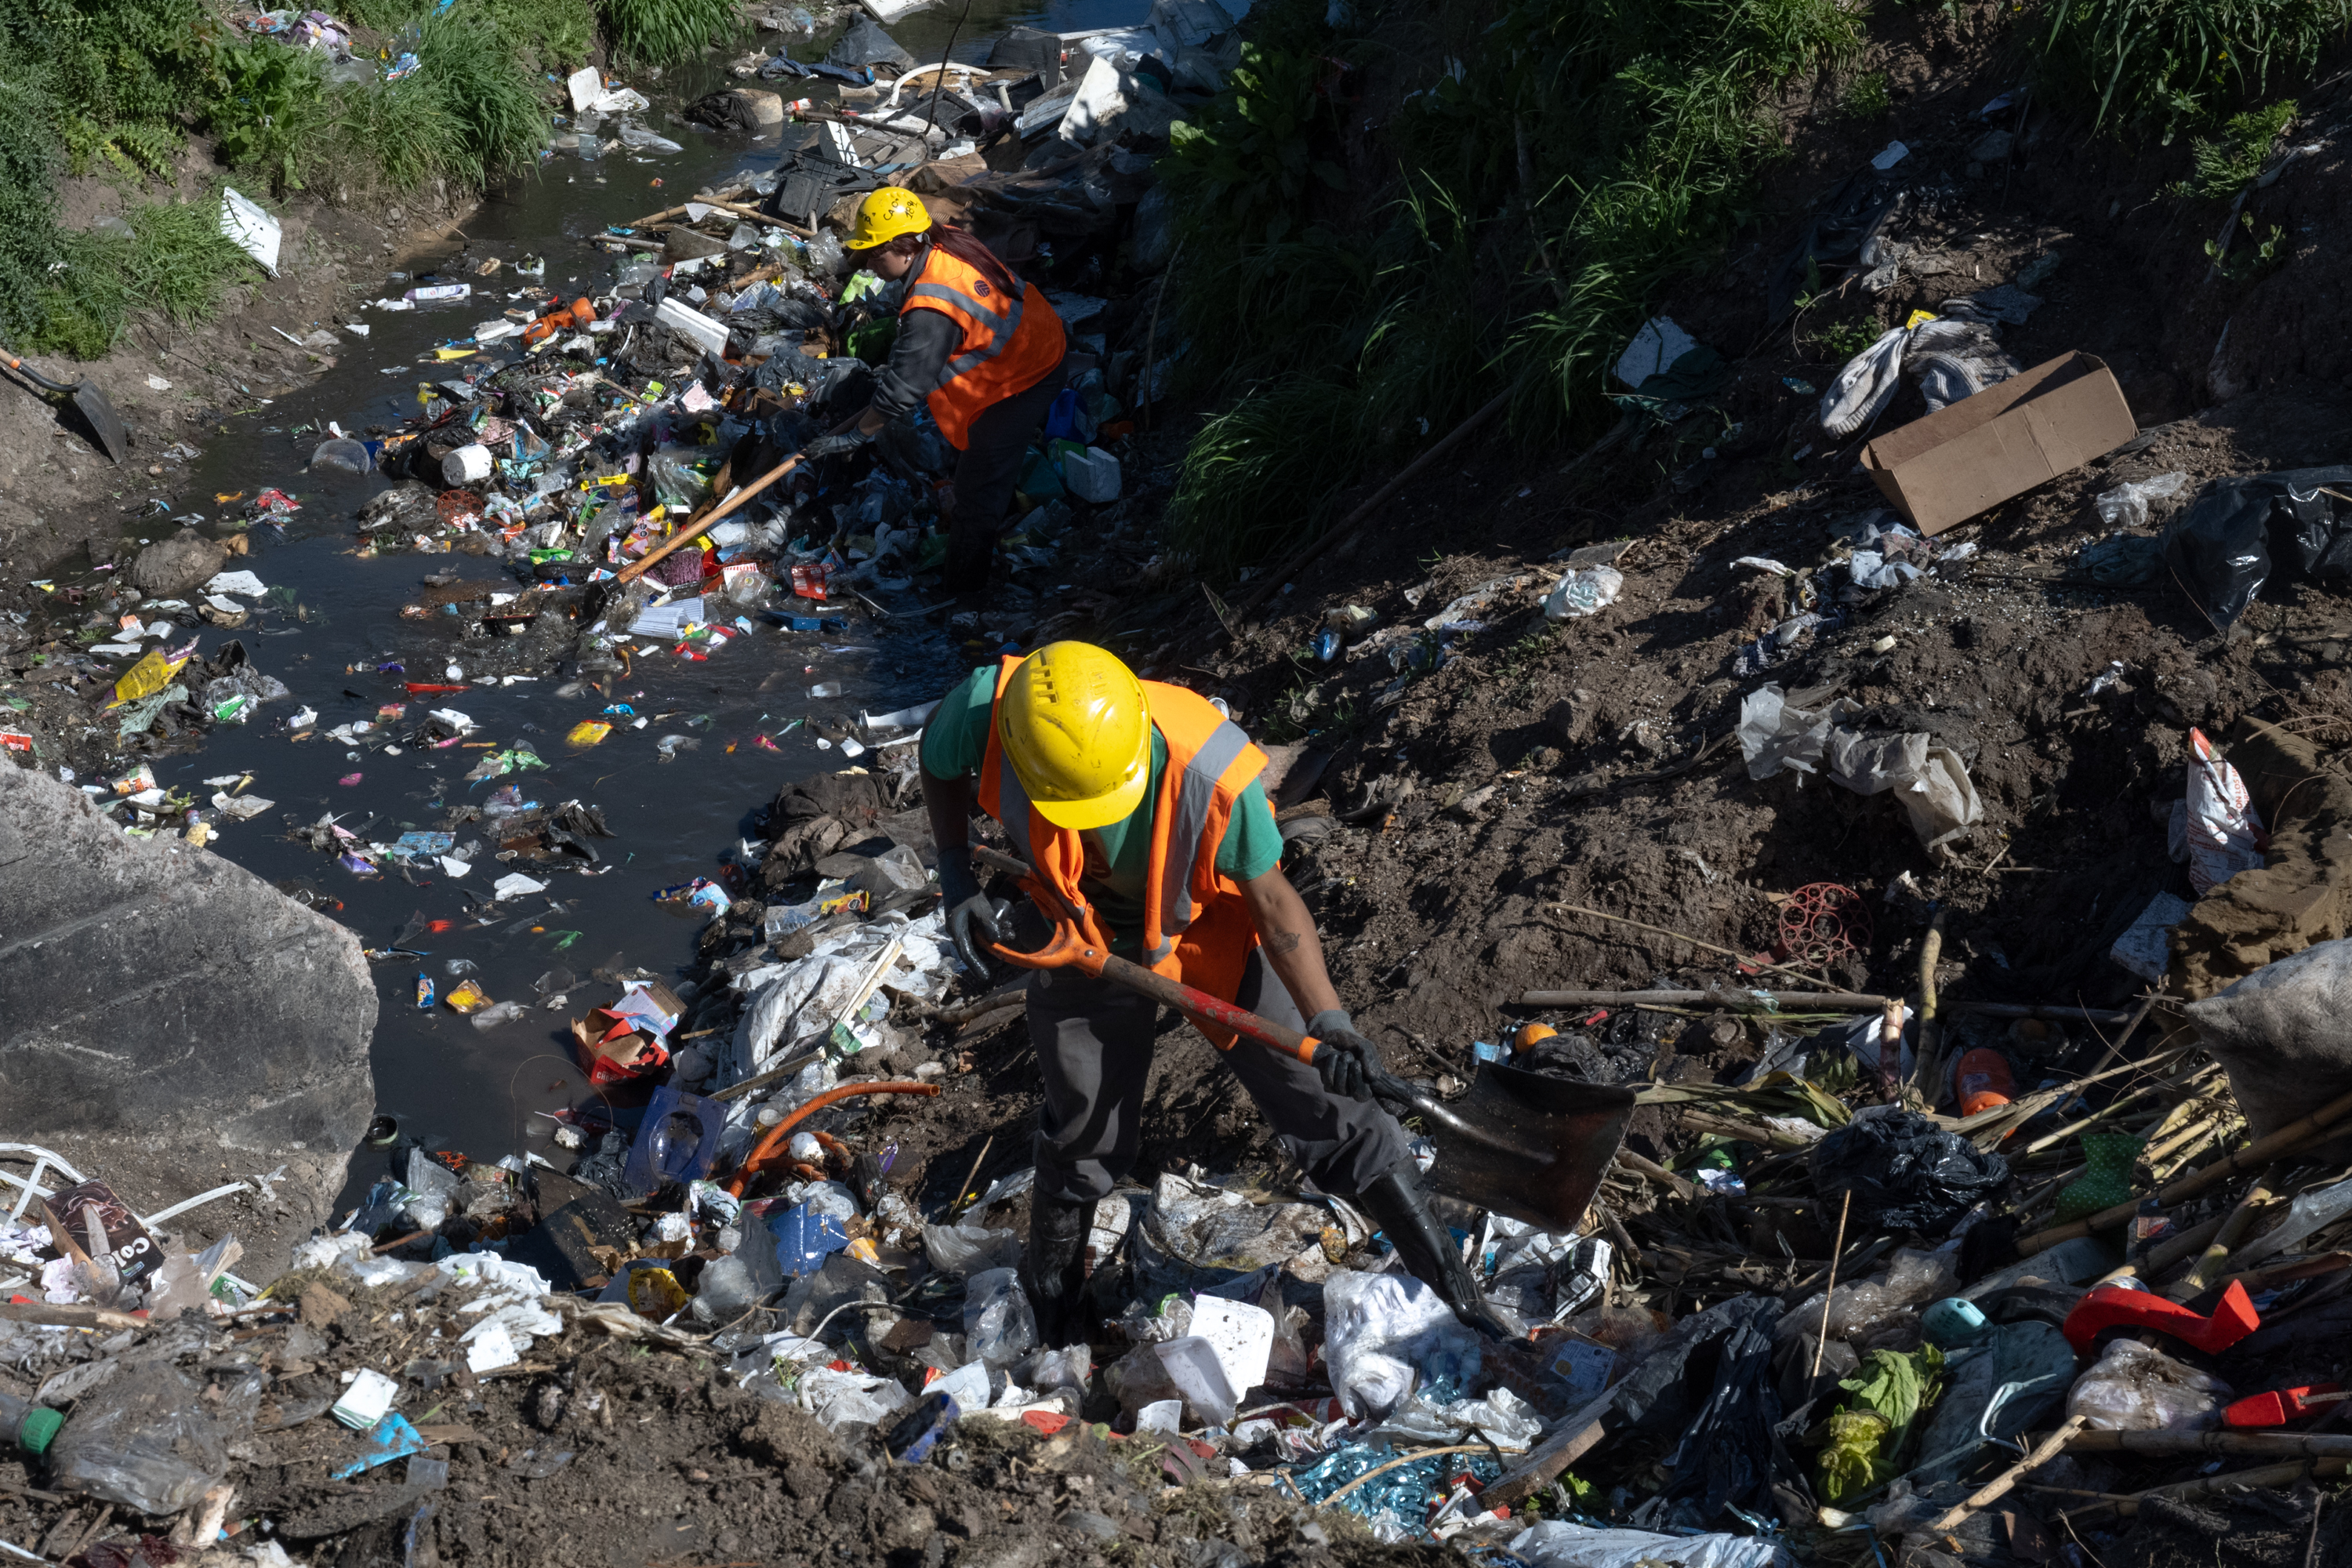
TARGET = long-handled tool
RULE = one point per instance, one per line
(103, 421)
(717, 515)
(1521, 1143)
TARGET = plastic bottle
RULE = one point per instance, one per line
(1983, 1080)
(30, 1426)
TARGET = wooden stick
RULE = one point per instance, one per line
(1998, 1487)
(2233, 1230)
(2147, 1004)
(965, 1191)
(709, 520)
(2262, 1476)
(1810, 1002)
(1740, 957)
(2272, 1276)
(1829, 1292)
(1678, 1185)
(2258, 1445)
(1407, 1459)
(1346, 528)
(2259, 1152)
(1925, 1078)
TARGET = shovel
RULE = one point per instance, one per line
(103, 421)
(2281, 1405)
(1524, 1144)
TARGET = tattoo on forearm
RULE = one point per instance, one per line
(1284, 941)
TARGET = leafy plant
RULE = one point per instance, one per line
(2243, 263)
(1841, 341)
(268, 109)
(2220, 168)
(664, 32)
(2171, 64)
(1866, 98)
(174, 261)
(487, 94)
(1247, 165)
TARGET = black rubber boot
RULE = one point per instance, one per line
(1398, 1205)
(1054, 1270)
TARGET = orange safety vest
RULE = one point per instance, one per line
(1007, 347)
(1195, 927)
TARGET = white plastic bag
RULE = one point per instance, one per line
(2223, 833)
(2125, 506)
(1383, 1333)
(1557, 1543)
(1583, 593)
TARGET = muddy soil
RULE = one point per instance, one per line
(631, 1451)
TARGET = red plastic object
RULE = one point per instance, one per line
(1822, 923)
(2280, 1405)
(1984, 1081)
(2113, 1307)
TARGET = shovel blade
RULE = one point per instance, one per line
(104, 422)
(1540, 1146)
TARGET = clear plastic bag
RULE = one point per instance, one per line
(967, 1249)
(2127, 506)
(2133, 1388)
(1912, 1280)
(998, 1326)
(150, 1438)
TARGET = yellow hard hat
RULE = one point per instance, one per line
(1077, 733)
(885, 214)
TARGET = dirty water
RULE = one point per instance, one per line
(332, 631)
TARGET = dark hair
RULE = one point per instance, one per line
(966, 248)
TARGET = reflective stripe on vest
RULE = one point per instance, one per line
(1209, 762)
(1196, 794)
(1000, 328)
(1005, 345)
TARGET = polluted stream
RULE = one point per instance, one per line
(697, 748)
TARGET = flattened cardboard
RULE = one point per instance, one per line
(1982, 450)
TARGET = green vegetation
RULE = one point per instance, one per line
(1866, 98)
(2245, 262)
(2220, 168)
(114, 87)
(1577, 158)
(662, 32)
(2161, 67)
(1841, 341)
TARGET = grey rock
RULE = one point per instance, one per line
(176, 567)
(174, 1022)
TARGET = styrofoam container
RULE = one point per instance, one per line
(1091, 476)
(1193, 1367)
(467, 465)
(1242, 1335)
(1162, 1416)
(681, 317)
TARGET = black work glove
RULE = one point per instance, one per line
(1346, 1060)
(828, 445)
(971, 918)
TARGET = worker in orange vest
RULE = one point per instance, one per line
(980, 346)
(1141, 806)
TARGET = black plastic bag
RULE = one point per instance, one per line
(1713, 1395)
(2224, 545)
(1904, 1173)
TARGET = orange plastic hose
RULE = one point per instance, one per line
(767, 1146)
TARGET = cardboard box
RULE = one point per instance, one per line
(1980, 451)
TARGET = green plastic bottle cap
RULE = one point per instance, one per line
(38, 1429)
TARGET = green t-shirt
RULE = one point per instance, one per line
(955, 743)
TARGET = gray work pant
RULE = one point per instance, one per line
(1094, 1041)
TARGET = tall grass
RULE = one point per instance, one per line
(1586, 153)
(174, 262)
(487, 93)
(2164, 66)
(664, 32)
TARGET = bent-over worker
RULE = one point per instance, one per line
(981, 348)
(1140, 805)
